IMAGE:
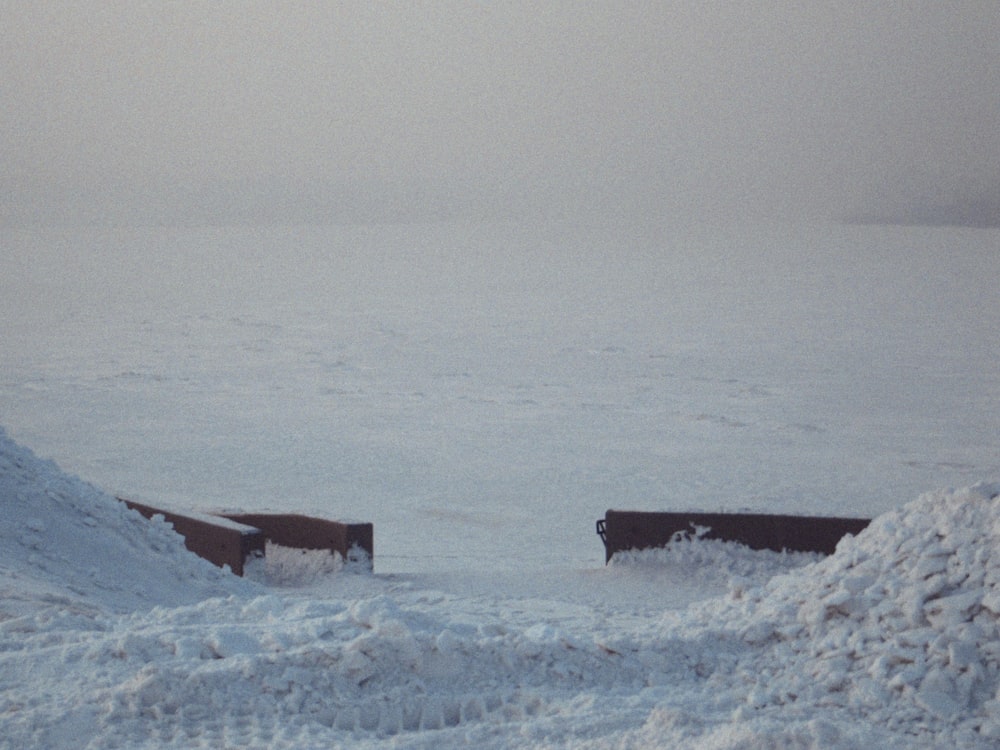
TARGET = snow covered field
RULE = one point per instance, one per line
(482, 393)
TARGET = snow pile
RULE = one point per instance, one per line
(714, 560)
(298, 568)
(901, 627)
(273, 671)
(66, 544)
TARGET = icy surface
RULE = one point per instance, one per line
(483, 394)
(506, 384)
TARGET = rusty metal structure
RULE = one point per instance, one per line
(353, 541)
(623, 530)
(233, 538)
(218, 540)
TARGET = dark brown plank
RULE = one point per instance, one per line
(626, 530)
(308, 532)
(218, 540)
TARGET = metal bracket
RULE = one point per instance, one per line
(602, 531)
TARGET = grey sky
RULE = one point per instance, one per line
(832, 108)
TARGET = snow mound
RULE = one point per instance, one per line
(66, 545)
(714, 560)
(900, 626)
(305, 570)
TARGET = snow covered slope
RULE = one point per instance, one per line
(900, 628)
(70, 546)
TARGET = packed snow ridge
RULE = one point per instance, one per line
(112, 635)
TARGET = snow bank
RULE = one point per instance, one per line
(715, 560)
(66, 544)
(901, 627)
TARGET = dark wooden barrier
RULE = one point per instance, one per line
(231, 538)
(623, 530)
(306, 532)
(218, 540)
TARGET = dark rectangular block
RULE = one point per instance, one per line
(625, 530)
(218, 540)
(307, 532)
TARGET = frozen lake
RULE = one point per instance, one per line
(483, 393)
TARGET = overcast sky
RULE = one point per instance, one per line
(445, 108)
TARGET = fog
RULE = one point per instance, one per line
(249, 111)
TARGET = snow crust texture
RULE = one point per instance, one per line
(112, 635)
(901, 627)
